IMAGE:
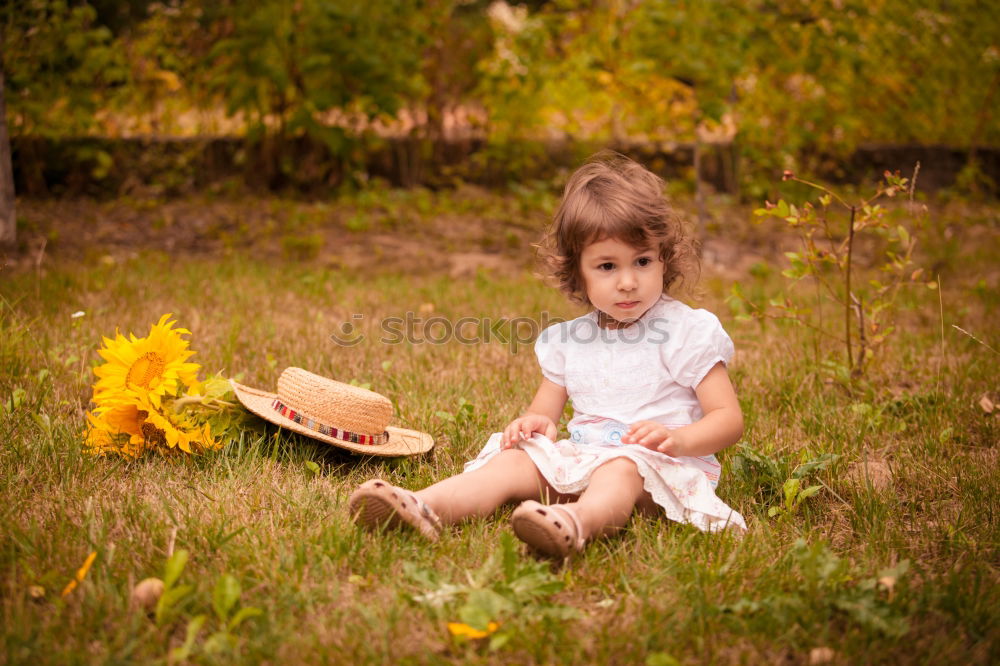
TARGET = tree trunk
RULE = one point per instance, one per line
(8, 218)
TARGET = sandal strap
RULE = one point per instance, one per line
(573, 520)
(427, 512)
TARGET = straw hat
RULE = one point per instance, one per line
(347, 416)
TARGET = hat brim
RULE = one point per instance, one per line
(402, 442)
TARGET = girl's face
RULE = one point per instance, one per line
(622, 281)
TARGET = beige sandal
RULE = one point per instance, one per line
(376, 504)
(552, 530)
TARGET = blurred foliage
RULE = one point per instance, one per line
(789, 82)
(295, 61)
(783, 79)
(60, 66)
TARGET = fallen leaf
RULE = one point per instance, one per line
(80, 574)
(460, 629)
(987, 404)
(36, 592)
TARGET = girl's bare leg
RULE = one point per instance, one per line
(510, 476)
(615, 489)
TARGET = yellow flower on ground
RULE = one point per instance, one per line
(154, 366)
(117, 430)
(148, 397)
(460, 629)
(137, 426)
(163, 433)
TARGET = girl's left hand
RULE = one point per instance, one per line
(655, 436)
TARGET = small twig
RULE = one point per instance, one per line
(833, 492)
(38, 268)
(41, 254)
(862, 338)
(940, 362)
(913, 183)
(171, 538)
(796, 319)
(821, 189)
(976, 339)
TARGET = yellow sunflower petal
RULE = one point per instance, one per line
(172, 436)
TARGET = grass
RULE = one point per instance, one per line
(894, 560)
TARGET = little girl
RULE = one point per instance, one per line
(646, 373)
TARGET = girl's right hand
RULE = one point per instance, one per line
(525, 426)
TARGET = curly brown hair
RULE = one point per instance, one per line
(611, 196)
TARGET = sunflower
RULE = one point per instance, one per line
(153, 366)
(148, 396)
(115, 430)
(130, 428)
(163, 432)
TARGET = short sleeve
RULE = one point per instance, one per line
(551, 355)
(701, 343)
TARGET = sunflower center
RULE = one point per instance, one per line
(153, 435)
(146, 368)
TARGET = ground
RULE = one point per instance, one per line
(893, 560)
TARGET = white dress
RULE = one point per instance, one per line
(615, 377)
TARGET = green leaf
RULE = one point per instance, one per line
(661, 659)
(219, 642)
(168, 600)
(808, 492)
(790, 488)
(243, 614)
(475, 616)
(816, 465)
(497, 641)
(312, 468)
(17, 398)
(184, 651)
(175, 565)
(227, 593)
(904, 235)
(484, 605)
(43, 422)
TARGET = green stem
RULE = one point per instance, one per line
(823, 189)
(214, 403)
(847, 299)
